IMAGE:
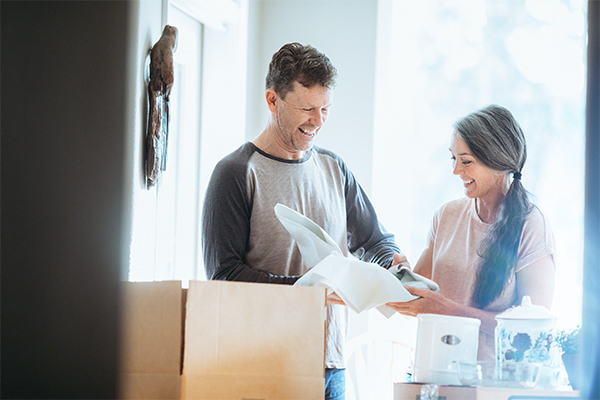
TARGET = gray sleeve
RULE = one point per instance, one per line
(226, 223)
(367, 238)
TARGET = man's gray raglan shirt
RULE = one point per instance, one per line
(242, 239)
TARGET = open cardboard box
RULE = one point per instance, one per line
(412, 391)
(151, 340)
(222, 340)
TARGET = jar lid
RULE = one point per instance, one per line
(526, 311)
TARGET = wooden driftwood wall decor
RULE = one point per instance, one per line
(159, 89)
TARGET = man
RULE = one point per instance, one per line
(243, 240)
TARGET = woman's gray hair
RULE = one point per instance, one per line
(495, 138)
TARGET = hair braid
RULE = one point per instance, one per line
(496, 139)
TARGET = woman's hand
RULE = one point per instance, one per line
(429, 302)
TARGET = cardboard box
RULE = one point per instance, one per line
(222, 340)
(151, 340)
(412, 391)
(246, 340)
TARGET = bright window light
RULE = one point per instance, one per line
(440, 60)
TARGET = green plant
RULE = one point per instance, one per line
(568, 340)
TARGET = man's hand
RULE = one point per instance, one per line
(333, 298)
(400, 260)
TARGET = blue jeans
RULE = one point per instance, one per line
(335, 384)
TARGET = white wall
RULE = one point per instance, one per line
(147, 25)
(222, 114)
(346, 32)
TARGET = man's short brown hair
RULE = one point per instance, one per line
(297, 62)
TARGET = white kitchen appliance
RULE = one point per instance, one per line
(441, 340)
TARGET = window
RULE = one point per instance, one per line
(447, 59)
(438, 61)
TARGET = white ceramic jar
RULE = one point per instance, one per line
(527, 333)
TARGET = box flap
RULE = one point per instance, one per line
(151, 330)
(239, 328)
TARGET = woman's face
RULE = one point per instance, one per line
(478, 180)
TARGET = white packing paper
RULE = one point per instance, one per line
(314, 243)
(359, 284)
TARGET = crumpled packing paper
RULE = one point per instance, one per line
(314, 243)
(359, 284)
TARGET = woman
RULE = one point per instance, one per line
(489, 249)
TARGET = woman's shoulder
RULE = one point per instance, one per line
(537, 225)
(537, 238)
(537, 218)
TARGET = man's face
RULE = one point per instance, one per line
(300, 116)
